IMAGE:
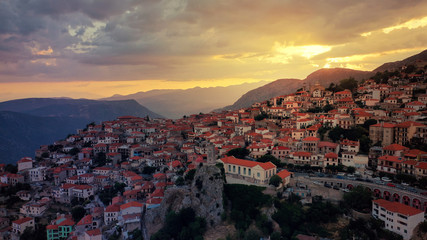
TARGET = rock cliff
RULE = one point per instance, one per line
(204, 195)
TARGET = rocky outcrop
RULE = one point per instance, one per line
(204, 195)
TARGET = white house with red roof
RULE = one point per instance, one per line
(397, 217)
(421, 170)
(94, 234)
(19, 226)
(415, 105)
(251, 171)
(280, 152)
(389, 164)
(133, 207)
(285, 175)
(111, 213)
(25, 163)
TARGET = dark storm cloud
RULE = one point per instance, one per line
(178, 34)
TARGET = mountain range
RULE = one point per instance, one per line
(176, 103)
(25, 124)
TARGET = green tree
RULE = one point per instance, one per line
(368, 123)
(359, 198)
(275, 180)
(12, 168)
(78, 213)
(351, 170)
(190, 175)
(336, 133)
(270, 158)
(74, 151)
(349, 84)
(238, 153)
(327, 108)
(179, 181)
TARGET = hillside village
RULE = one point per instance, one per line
(119, 170)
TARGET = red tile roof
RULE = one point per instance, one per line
(113, 208)
(247, 163)
(395, 147)
(85, 220)
(398, 207)
(131, 204)
(331, 155)
(94, 232)
(284, 174)
(22, 220)
(390, 158)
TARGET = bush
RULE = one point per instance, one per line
(275, 180)
(182, 225)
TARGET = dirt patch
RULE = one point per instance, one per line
(335, 228)
(220, 232)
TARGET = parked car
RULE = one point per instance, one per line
(327, 185)
(336, 187)
(386, 179)
(391, 185)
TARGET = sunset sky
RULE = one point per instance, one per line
(97, 48)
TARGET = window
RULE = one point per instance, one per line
(229, 168)
(258, 175)
(244, 171)
(249, 171)
(234, 168)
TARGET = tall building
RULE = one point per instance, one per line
(397, 217)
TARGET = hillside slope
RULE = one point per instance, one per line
(285, 86)
(21, 134)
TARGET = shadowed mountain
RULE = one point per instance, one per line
(419, 60)
(176, 103)
(91, 110)
(25, 124)
(285, 86)
(21, 134)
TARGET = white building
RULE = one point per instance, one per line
(251, 171)
(37, 174)
(19, 226)
(397, 217)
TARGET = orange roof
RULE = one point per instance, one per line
(384, 125)
(85, 220)
(398, 207)
(284, 174)
(113, 208)
(390, 158)
(395, 147)
(409, 124)
(422, 165)
(247, 163)
(66, 222)
(52, 227)
(94, 232)
(131, 204)
(311, 139)
(22, 220)
(331, 155)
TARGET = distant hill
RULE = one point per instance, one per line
(91, 110)
(21, 134)
(285, 86)
(419, 60)
(25, 124)
(176, 103)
